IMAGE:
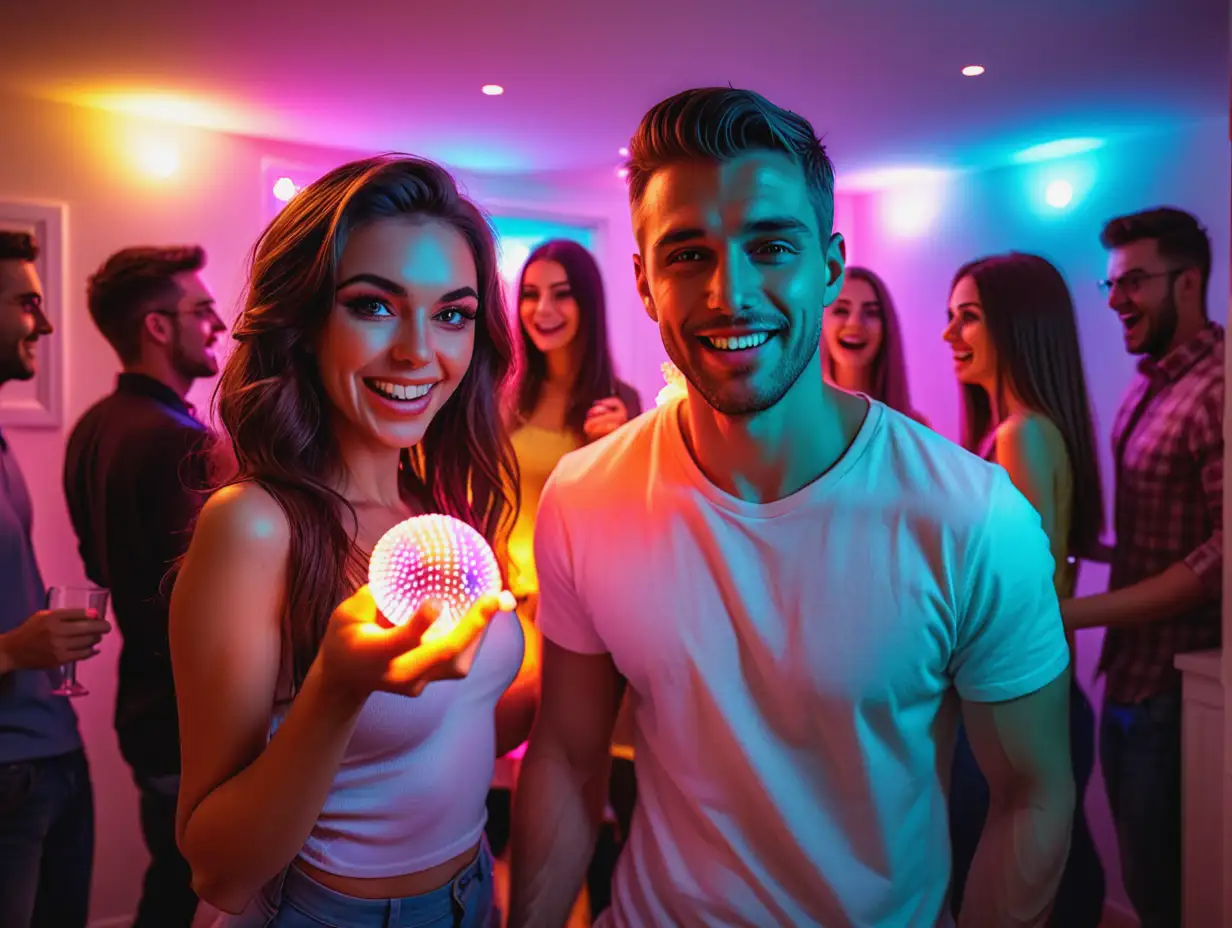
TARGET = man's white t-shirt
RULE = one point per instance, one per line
(792, 664)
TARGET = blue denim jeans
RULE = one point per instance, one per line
(295, 900)
(1140, 752)
(46, 842)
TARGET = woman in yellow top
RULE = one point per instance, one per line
(1014, 338)
(566, 395)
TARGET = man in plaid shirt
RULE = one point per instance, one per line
(1165, 586)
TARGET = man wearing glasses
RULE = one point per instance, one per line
(1165, 587)
(137, 468)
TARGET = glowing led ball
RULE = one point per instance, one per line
(431, 557)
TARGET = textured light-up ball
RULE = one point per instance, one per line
(431, 557)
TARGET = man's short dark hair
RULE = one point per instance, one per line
(18, 246)
(133, 283)
(722, 123)
(1178, 235)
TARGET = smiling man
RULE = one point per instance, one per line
(793, 582)
(136, 470)
(1166, 583)
(46, 798)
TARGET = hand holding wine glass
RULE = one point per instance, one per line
(93, 601)
(69, 630)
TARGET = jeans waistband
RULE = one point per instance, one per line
(333, 908)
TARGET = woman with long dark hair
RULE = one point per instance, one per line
(862, 343)
(363, 390)
(566, 395)
(1014, 338)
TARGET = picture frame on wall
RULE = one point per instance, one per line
(37, 403)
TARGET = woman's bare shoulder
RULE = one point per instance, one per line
(1032, 429)
(244, 516)
(232, 580)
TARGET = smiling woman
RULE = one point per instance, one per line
(862, 343)
(407, 348)
(1014, 337)
(567, 395)
(363, 391)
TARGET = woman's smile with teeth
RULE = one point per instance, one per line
(738, 342)
(962, 355)
(399, 391)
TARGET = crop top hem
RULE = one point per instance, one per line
(323, 861)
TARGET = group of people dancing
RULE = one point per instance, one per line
(376, 375)
(782, 654)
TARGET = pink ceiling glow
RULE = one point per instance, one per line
(881, 79)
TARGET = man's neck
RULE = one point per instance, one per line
(773, 454)
(1187, 328)
(164, 373)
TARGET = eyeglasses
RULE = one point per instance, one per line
(1132, 282)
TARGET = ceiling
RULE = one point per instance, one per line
(880, 79)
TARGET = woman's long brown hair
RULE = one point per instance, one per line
(1029, 316)
(596, 377)
(272, 404)
(889, 381)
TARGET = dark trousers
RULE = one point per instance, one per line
(167, 898)
(1080, 896)
(500, 820)
(46, 842)
(1140, 752)
(622, 797)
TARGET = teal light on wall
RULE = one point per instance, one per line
(1056, 187)
(1057, 148)
(518, 236)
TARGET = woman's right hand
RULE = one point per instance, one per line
(361, 652)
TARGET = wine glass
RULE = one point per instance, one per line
(75, 597)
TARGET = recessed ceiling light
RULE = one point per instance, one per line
(493, 90)
(624, 153)
(973, 70)
(284, 189)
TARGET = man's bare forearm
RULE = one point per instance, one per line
(555, 824)
(1018, 864)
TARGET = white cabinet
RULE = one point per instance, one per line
(1202, 731)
